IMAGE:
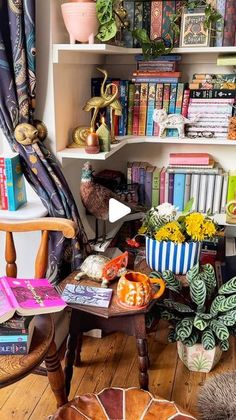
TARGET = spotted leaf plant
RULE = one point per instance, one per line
(200, 312)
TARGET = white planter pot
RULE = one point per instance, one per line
(166, 255)
(197, 359)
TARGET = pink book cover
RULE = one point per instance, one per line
(28, 297)
(189, 158)
(162, 185)
(185, 103)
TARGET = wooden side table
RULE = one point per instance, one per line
(115, 318)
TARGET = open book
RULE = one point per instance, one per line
(27, 297)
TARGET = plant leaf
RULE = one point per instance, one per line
(107, 31)
(208, 339)
(229, 319)
(227, 303)
(192, 273)
(228, 287)
(220, 330)
(188, 205)
(171, 281)
(155, 275)
(168, 316)
(198, 291)
(224, 345)
(200, 323)
(180, 307)
(184, 328)
(172, 336)
(215, 304)
(104, 11)
(141, 36)
(210, 278)
(190, 341)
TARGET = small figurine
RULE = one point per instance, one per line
(103, 269)
(175, 121)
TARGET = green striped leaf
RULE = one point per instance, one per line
(224, 345)
(208, 339)
(229, 319)
(210, 278)
(168, 316)
(192, 273)
(227, 304)
(215, 304)
(229, 287)
(180, 307)
(155, 274)
(184, 328)
(172, 336)
(205, 316)
(190, 341)
(220, 330)
(198, 291)
(200, 323)
(171, 281)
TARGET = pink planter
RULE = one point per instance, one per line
(81, 21)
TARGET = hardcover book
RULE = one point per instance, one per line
(230, 23)
(15, 183)
(189, 159)
(27, 297)
(3, 186)
(87, 295)
(156, 19)
(150, 108)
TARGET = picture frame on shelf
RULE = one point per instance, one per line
(193, 32)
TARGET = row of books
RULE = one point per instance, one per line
(155, 17)
(16, 335)
(211, 188)
(12, 183)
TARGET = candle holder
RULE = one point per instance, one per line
(92, 143)
(104, 136)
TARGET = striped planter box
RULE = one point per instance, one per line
(167, 255)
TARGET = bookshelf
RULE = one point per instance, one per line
(64, 87)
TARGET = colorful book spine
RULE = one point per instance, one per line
(148, 186)
(189, 159)
(142, 177)
(7, 348)
(130, 109)
(3, 186)
(168, 12)
(16, 191)
(202, 193)
(135, 172)
(166, 192)
(212, 93)
(178, 7)
(156, 19)
(224, 193)
(210, 192)
(179, 98)
(185, 103)
(146, 23)
(158, 105)
(171, 188)
(116, 118)
(217, 194)
(173, 92)
(187, 188)
(124, 84)
(129, 172)
(220, 5)
(127, 34)
(156, 187)
(162, 185)
(138, 18)
(230, 23)
(143, 109)
(150, 108)
(166, 97)
(179, 185)
(194, 191)
(231, 193)
(153, 79)
(136, 108)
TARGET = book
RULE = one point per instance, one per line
(217, 194)
(231, 193)
(170, 57)
(17, 322)
(122, 126)
(11, 339)
(127, 34)
(179, 185)
(87, 295)
(213, 93)
(137, 91)
(224, 193)
(27, 297)
(15, 183)
(168, 10)
(138, 17)
(229, 23)
(194, 170)
(150, 108)
(226, 60)
(194, 190)
(130, 109)
(3, 186)
(210, 192)
(187, 187)
(202, 193)
(158, 105)
(189, 159)
(148, 185)
(13, 348)
(166, 97)
(185, 103)
(156, 187)
(143, 109)
(171, 177)
(156, 19)
(146, 18)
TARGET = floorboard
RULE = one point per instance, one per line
(112, 361)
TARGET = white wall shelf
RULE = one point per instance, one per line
(31, 210)
(79, 153)
(65, 52)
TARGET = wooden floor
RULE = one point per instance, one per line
(112, 361)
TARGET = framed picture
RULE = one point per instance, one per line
(193, 33)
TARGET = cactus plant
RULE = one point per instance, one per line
(200, 313)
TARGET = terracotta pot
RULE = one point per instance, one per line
(81, 21)
(135, 289)
(197, 359)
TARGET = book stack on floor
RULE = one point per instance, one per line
(187, 175)
(16, 335)
(20, 300)
(211, 103)
(12, 183)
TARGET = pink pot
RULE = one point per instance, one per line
(81, 21)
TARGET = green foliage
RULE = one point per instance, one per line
(198, 313)
(106, 18)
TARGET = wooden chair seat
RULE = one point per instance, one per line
(13, 368)
(121, 404)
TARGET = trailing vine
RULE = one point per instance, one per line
(107, 17)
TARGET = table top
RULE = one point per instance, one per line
(115, 309)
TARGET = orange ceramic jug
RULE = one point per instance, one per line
(135, 290)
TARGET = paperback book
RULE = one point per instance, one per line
(27, 297)
(87, 295)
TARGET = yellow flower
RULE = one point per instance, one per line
(209, 228)
(142, 230)
(170, 232)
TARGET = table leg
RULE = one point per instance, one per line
(78, 349)
(142, 347)
(69, 359)
(55, 375)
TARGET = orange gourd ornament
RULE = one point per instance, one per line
(134, 289)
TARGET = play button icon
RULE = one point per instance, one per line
(117, 210)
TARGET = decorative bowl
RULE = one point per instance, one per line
(81, 21)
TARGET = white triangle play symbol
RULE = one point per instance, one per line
(117, 210)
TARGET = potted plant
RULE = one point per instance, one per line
(201, 315)
(174, 242)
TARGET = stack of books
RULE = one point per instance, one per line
(12, 183)
(16, 335)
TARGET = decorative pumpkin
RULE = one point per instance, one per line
(135, 289)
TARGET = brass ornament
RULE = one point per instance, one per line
(42, 129)
(79, 136)
(26, 134)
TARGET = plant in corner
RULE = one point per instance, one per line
(201, 316)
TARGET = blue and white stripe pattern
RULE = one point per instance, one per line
(166, 255)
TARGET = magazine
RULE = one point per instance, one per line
(87, 295)
(27, 297)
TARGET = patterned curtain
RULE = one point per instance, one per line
(17, 103)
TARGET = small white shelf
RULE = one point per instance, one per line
(79, 153)
(104, 49)
(31, 210)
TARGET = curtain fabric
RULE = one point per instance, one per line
(17, 103)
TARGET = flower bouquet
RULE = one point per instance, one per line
(173, 242)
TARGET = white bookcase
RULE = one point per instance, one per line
(64, 75)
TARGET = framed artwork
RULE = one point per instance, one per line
(193, 33)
